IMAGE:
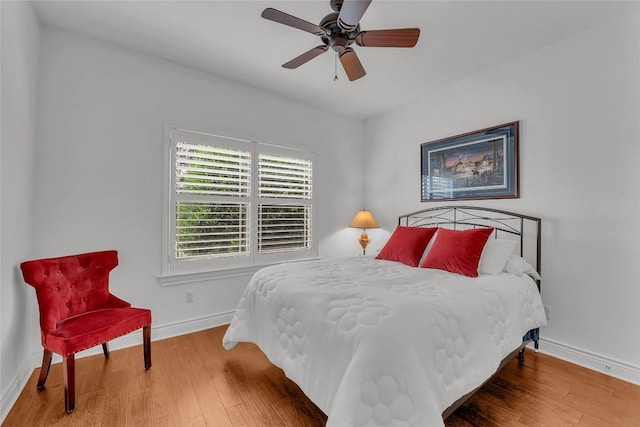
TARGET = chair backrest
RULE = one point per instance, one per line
(69, 285)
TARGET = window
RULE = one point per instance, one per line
(235, 203)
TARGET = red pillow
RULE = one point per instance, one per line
(407, 244)
(458, 251)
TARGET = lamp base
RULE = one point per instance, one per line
(364, 241)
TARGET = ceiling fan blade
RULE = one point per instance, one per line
(351, 64)
(401, 37)
(305, 57)
(290, 20)
(351, 12)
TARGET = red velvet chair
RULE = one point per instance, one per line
(78, 312)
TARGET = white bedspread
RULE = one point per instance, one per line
(377, 343)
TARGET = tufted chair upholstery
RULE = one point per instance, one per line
(78, 312)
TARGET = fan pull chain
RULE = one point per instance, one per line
(335, 77)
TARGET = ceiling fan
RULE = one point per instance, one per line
(339, 30)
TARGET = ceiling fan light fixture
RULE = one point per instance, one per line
(351, 12)
(339, 44)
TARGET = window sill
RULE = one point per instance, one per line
(176, 279)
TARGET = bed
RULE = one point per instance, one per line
(385, 342)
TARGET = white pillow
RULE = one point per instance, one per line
(428, 248)
(495, 255)
(518, 265)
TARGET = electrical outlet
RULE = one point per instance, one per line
(547, 311)
(189, 297)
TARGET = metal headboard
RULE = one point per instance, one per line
(523, 228)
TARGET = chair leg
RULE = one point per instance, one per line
(44, 371)
(146, 344)
(105, 350)
(69, 376)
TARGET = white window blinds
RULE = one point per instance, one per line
(212, 186)
(285, 221)
(282, 177)
(212, 171)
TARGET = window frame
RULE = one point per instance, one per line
(226, 266)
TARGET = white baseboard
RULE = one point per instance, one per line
(11, 395)
(595, 362)
(157, 333)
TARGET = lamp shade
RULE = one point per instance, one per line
(364, 219)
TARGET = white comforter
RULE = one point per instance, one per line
(377, 343)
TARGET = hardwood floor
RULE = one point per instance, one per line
(195, 382)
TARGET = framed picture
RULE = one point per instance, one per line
(477, 165)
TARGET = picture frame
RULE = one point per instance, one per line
(477, 165)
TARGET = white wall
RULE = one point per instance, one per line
(578, 102)
(99, 161)
(18, 330)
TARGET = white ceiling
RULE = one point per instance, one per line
(230, 39)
